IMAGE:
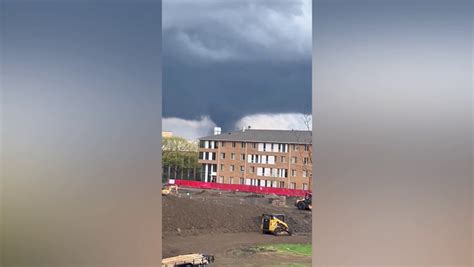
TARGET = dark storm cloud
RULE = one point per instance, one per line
(228, 59)
(229, 91)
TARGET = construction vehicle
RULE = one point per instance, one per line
(305, 203)
(274, 224)
(189, 260)
(168, 189)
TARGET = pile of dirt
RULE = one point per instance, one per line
(208, 193)
(223, 214)
(254, 195)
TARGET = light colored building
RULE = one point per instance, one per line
(270, 158)
(166, 134)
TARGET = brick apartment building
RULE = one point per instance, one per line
(270, 158)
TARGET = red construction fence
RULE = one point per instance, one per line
(240, 188)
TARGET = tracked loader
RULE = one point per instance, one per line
(274, 224)
(305, 203)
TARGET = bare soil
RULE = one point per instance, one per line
(226, 225)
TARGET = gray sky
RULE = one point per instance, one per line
(232, 62)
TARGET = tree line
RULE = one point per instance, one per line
(180, 159)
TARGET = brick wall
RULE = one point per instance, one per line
(233, 151)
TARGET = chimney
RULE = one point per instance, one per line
(217, 130)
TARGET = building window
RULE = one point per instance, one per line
(271, 159)
(242, 156)
(232, 156)
(305, 173)
(222, 167)
(242, 168)
(254, 145)
(267, 171)
(231, 168)
(282, 184)
(305, 186)
(233, 144)
(242, 181)
(222, 144)
(293, 172)
(222, 155)
(282, 159)
(282, 148)
(252, 169)
(221, 179)
(294, 160)
(242, 145)
(294, 147)
(231, 180)
(305, 161)
(292, 185)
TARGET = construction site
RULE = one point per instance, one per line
(227, 226)
(244, 199)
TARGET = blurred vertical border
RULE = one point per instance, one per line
(392, 109)
(80, 133)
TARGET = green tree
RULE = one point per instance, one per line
(178, 144)
(180, 158)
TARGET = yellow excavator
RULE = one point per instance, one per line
(168, 189)
(274, 224)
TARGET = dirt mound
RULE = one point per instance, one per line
(207, 193)
(255, 195)
(222, 213)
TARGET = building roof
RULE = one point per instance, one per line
(273, 136)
